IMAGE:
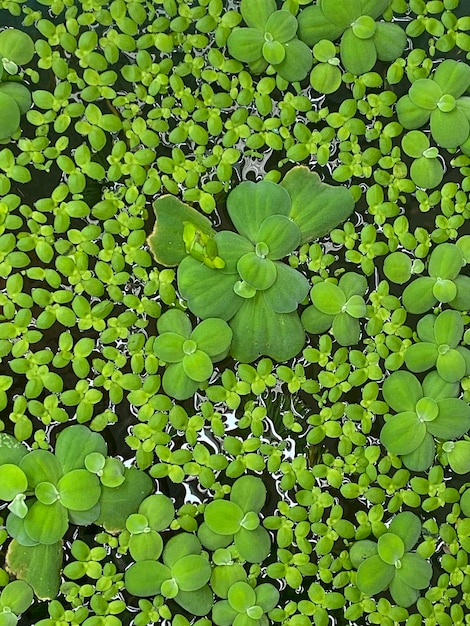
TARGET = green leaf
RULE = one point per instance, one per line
(241, 596)
(448, 328)
(174, 321)
(451, 366)
(38, 565)
(390, 548)
(346, 329)
(209, 292)
(407, 526)
(169, 347)
(402, 433)
(223, 614)
(420, 357)
(40, 466)
(342, 15)
(177, 383)
(316, 206)
(462, 300)
(415, 571)
(197, 365)
(13, 481)
(223, 517)
(297, 61)
(249, 493)
(401, 593)
(73, 445)
(249, 204)
(357, 55)
(453, 77)
(267, 596)
(280, 234)
(389, 40)
(179, 546)
(449, 129)
(325, 78)
(426, 173)
(422, 457)
(191, 572)
(409, 115)
(314, 26)
(459, 457)
(79, 490)
(212, 336)
(401, 391)
(446, 261)
(282, 26)
(146, 545)
(197, 602)
(166, 241)
(256, 12)
(16, 46)
(290, 288)
(246, 44)
(10, 120)
(145, 578)
(425, 94)
(117, 503)
(373, 575)
(253, 545)
(258, 330)
(17, 596)
(46, 523)
(418, 296)
(19, 93)
(328, 298)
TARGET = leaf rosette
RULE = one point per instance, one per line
(389, 563)
(246, 605)
(439, 101)
(364, 40)
(424, 412)
(270, 39)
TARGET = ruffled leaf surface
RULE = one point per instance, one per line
(290, 288)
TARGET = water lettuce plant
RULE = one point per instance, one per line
(338, 307)
(439, 346)
(364, 40)
(390, 563)
(445, 283)
(270, 39)
(189, 353)
(246, 605)
(16, 597)
(255, 292)
(423, 413)
(439, 101)
(16, 49)
(237, 520)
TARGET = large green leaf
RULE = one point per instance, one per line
(401, 593)
(446, 261)
(198, 366)
(346, 329)
(38, 565)
(282, 26)
(258, 330)
(422, 457)
(328, 298)
(426, 173)
(315, 322)
(260, 273)
(407, 526)
(425, 93)
(402, 433)
(223, 516)
(448, 328)
(411, 116)
(373, 575)
(17, 596)
(209, 292)
(11, 450)
(117, 503)
(223, 614)
(145, 578)
(241, 596)
(253, 545)
(353, 284)
(166, 241)
(16, 46)
(256, 12)
(374, 8)
(197, 602)
(314, 26)
(418, 296)
(449, 129)
(297, 61)
(420, 357)
(357, 55)
(453, 419)
(290, 288)
(211, 539)
(159, 511)
(249, 204)
(415, 571)
(245, 44)
(74, 443)
(267, 596)
(180, 545)
(231, 247)
(459, 457)
(177, 383)
(41, 466)
(19, 93)
(46, 523)
(175, 321)
(453, 77)
(280, 234)
(13, 481)
(462, 301)
(79, 490)
(451, 365)
(191, 572)
(169, 347)
(316, 207)
(434, 386)
(401, 391)
(249, 493)
(341, 14)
